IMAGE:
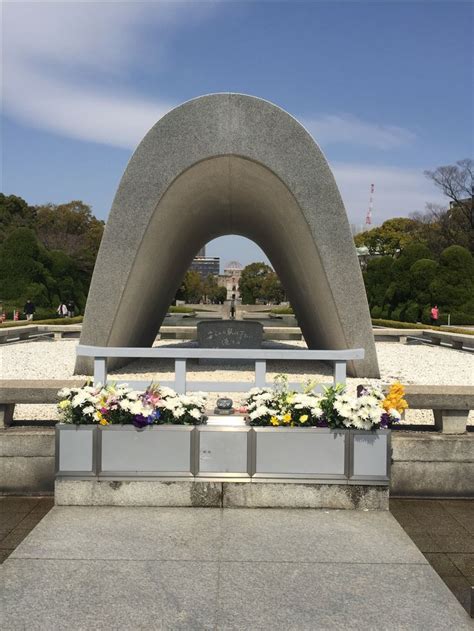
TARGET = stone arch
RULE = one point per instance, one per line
(228, 164)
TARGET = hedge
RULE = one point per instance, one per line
(76, 320)
(393, 324)
(180, 309)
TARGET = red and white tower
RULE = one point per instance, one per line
(368, 217)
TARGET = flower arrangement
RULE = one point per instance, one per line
(280, 407)
(112, 405)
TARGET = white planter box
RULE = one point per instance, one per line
(320, 454)
(157, 450)
(76, 450)
(223, 451)
(296, 452)
(370, 456)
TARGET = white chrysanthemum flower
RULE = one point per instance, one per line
(262, 410)
(195, 413)
(137, 407)
(167, 392)
(89, 409)
(80, 398)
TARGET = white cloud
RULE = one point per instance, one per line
(64, 65)
(112, 118)
(398, 192)
(330, 129)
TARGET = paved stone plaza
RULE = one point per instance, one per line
(163, 568)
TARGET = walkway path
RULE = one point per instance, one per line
(162, 568)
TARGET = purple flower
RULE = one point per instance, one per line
(140, 421)
(385, 420)
(322, 422)
(362, 391)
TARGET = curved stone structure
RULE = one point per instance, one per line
(228, 164)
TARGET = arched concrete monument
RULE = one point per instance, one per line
(228, 164)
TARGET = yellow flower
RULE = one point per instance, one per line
(63, 405)
(274, 420)
(287, 418)
(303, 418)
(394, 398)
(102, 419)
(290, 398)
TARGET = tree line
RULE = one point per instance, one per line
(47, 253)
(194, 289)
(426, 259)
(258, 284)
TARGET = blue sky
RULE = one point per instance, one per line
(384, 87)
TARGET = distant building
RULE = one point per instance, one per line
(363, 256)
(206, 265)
(230, 280)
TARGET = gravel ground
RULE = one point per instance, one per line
(417, 364)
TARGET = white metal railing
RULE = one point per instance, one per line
(181, 384)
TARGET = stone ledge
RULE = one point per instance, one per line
(218, 494)
(432, 479)
(432, 447)
(440, 397)
(294, 495)
(27, 443)
(22, 476)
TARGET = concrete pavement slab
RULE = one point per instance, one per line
(70, 595)
(300, 596)
(90, 532)
(307, 535)
(131, 568)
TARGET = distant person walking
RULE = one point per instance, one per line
(435, 315)
(232, 310)
(62, 310)
(70, 306)
(29, 310)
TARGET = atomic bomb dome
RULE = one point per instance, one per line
(233, 265)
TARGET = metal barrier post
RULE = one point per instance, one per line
(100, 370)
(260, 373)
(339, 372)
(180, 375)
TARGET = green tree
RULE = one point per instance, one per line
(251, 282)
(71, 228)
(399, 290)
(456, 181)
(391, 237)
(377, 278)
(14, 213)
(441, 227)
(24, 274)
(192, 287)
(422, 274)
(453, 286)
(69, 282)
(221, 295)
(272, 289)
(211, 289)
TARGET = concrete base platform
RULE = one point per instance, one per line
(177, 568)
(217, 493)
